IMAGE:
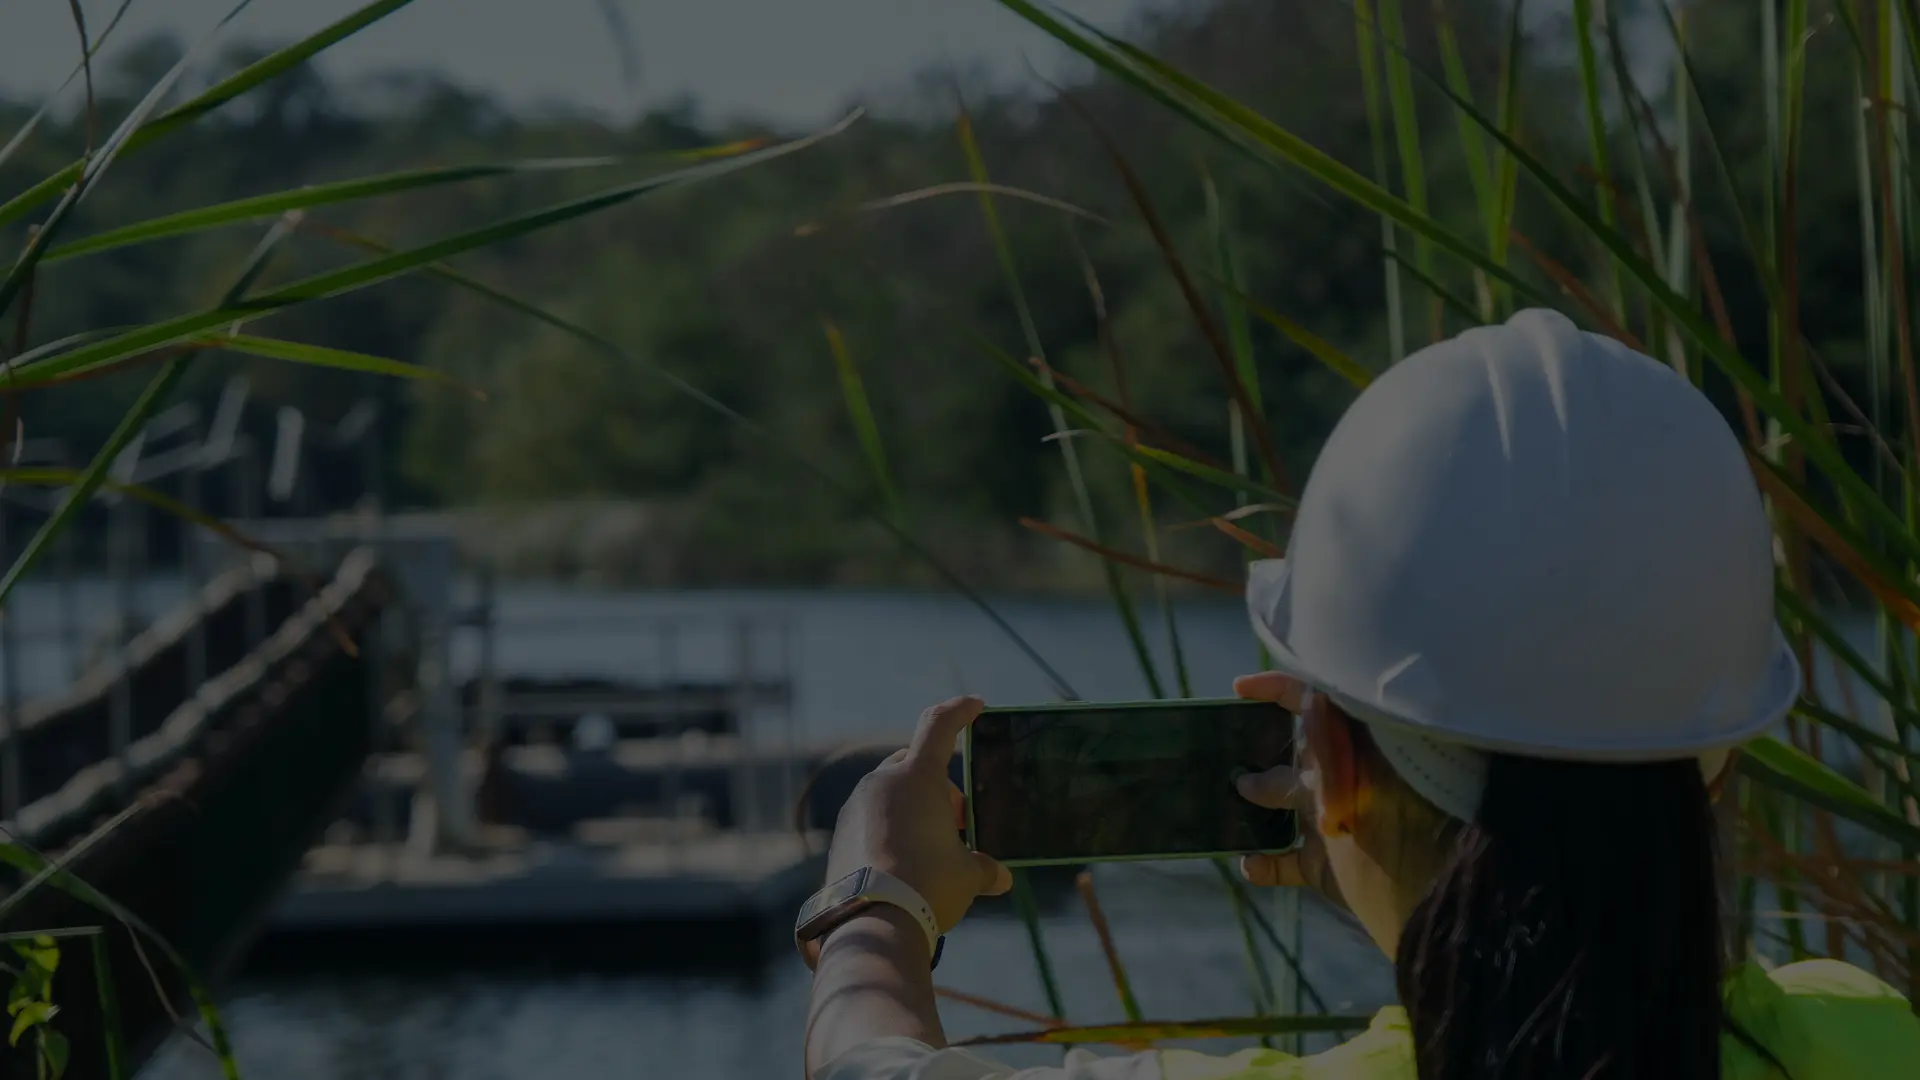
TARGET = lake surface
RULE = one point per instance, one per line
(1176, 935)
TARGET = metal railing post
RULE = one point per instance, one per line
(790, 766)
(751, 816)
(492, 722)
(671, 735)
(453, 803)
(71, 633)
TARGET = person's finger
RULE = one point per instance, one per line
(894, 758)
(940, 727)
(1278, 871)
(1288, 691)
(959, 804)
(1280, 788)
(994, 878)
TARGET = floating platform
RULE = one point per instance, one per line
(547, 709)
(616, 895)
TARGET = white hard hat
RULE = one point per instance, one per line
(1534, 540)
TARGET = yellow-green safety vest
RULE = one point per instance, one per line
(1821, 1019)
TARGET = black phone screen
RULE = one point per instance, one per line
(1087, 783)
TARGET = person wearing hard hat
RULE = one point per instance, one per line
(1527, 619)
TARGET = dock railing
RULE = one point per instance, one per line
(704, 683)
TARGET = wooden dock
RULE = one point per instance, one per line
(674, 847)
(617, 895)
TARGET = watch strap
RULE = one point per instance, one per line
(840, 900)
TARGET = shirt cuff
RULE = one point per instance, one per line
(901, 1058)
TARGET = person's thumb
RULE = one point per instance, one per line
(1278, 788)
(1283, 870)
(994, 878)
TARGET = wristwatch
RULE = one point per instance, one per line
(827, 909)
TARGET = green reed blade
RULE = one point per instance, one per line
(157, 390)
(1023, 902)
(374, 271)
(1887, 754)
(1406, 125)
(95, 165)
(1730, 189)
(1336, 361)
(1788, 769)
(1239, 332)
(1745, 932)
(1376, 125)
(261, 71)
(241, 211)
(1596, 138)
(1264, 996)
(1149, 530)
(1879, 342)
(1795, 610)
(1239, 1027)
(853, 390)
(338, 359)
(115, 1051)
(1161, 464)
(1856, 732)
(1448, 299)
(1472, 145)
(1218, 477)
(60, 477)
(1288, 956)
(1783, 825)
(1656, 243)
(1506, 169)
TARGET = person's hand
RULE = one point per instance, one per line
(905, 817)
(1284, 787)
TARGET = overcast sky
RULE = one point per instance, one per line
(792, 60)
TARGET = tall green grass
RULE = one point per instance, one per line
(1829, 811)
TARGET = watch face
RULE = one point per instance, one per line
(829, 899)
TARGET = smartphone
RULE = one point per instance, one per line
(1082, 783)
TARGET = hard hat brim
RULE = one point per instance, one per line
(1267, 604)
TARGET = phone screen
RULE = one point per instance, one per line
(1083, 783)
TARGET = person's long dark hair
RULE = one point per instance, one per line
(1573, 931)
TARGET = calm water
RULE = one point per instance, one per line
(1177, 937)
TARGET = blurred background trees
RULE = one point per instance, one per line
(576, 464)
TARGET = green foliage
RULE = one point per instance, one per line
(30, 1004)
